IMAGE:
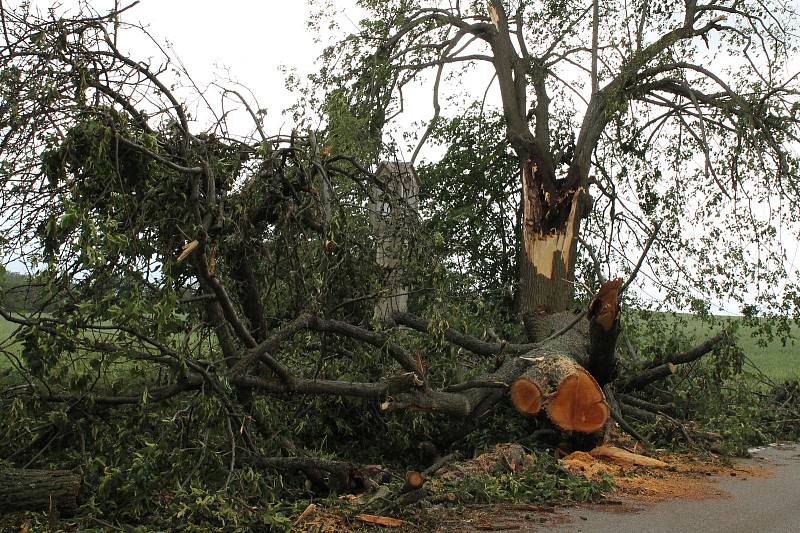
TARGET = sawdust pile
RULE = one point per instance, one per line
(684, 476)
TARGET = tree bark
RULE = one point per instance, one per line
(394, 214)
(39, 490)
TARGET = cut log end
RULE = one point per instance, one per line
(526, 397)
(414, 481)
(579, 404)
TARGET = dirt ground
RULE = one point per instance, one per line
(703, 481)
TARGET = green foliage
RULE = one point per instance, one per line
(545, 481)
(729, 402)
(107, 197)
(347, 132)
(472, 202)
(19, 293)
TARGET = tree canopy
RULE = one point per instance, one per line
(676, 115)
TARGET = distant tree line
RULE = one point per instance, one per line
(18, 292)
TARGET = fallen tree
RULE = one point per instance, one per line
(218, 291)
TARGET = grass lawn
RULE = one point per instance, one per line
(778, 361)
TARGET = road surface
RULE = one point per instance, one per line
(756, 505)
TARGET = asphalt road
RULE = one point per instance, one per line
(756, 505)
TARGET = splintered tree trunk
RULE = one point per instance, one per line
(550, 376)
(551, 225)
(38, 490)
(558, 384)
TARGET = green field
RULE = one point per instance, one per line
(6, 328)
(777, 361)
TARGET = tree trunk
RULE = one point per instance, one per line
(551, 224)
(558, 374)
(570, 395)
(394, 217)
(38, 490)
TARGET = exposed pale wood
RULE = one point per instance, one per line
(624, 456)
(547, 268)
(414, 480)
(380, 520)
(544, 249)
(604, 308)
(579, 404)
(311, 509)
(526, 397)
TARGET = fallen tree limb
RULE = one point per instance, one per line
(379, 340)
(647, 377)
(468, 342)
(570, 395)
(39, 490)
(665, 367)
(619, 418)
(692, 354)
(554, 380)
(638, 413)
(643, 404)
(341, 476)
(475, 384)
(626, 457)
(437, 465)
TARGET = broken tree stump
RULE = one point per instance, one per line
(569, 395)
(39, 490)
(603, 314)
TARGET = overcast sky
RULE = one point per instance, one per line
(248, 40)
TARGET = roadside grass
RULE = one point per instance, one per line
(6, 329)
(131, 370)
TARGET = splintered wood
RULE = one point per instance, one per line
(571, 397)
(623, 456)
(544, 249)
(604, 308)
(384, 521)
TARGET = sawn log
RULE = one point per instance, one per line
(39, 490)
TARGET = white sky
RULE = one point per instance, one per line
(251, 39)
(248, 41)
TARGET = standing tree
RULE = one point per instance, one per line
(674, 114)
